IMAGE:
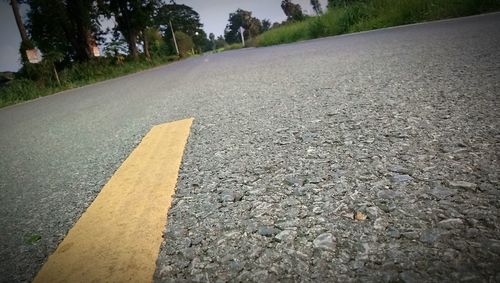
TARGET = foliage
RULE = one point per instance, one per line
(220, 42)
(242, 18)
(184, 19)
(184, 42)
(266, 25)
(132, 17)
(316, 7)
(68, 27)
(292, 11)
(345, 16)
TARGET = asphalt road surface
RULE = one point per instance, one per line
(364, 157)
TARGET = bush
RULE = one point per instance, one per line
(184, 43)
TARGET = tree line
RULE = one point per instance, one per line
(69, 31)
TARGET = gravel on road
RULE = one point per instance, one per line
(365, 157)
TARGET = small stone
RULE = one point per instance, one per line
(410, 277)
(286, 236)
(237, 196)
(325, 241)
(299, 191)
(227, 197)
(314, 180)
(399, 169)
(267, 231)
(387, 194)
(380, 224)
(293, 181)
(450, 223)
(442, 192)
(410, 235)
(317, 210)
(401, 178)
(197, 241)
(393, 233)
(431, 235)
(359, 216)
(235, 266)
(373, 211)
(462, 184)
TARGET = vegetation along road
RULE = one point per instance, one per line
(363, 157)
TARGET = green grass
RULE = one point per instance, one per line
(80, 74)
(233, 46)
(373, 14)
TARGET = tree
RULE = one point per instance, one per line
(220, 42)
(132, 18)
(336, 3)
(211, 36)
(266, 25)
(316, 7)
(68, 27)
(83, 18)
(25, 41)
(292, 11)
(184, 19)
(19, 20)
(242, 18)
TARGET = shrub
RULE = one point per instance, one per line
(184, 42)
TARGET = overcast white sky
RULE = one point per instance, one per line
(213, 13)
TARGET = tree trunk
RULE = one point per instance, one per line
(80, 35)
(19, 21)
(146, 45)
(132, 46)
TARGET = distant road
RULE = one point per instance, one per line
(401, 125)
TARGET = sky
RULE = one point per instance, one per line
(213, 14)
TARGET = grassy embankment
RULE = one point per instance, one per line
(79, 74)
(373, 14)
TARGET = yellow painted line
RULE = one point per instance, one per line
(118, 238)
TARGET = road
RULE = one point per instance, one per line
(401, 126)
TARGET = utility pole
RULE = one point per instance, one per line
(173, 35)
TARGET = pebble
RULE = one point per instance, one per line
(380, 224)
(267, 231)
(462, 184)
(401, 178)
(431, 235)
(317, 210)
(393, 233)
(399, 169)
(442, 192)
(410, 277)
(325, 241)
(227, 197)
(450, 223)
(286, 236)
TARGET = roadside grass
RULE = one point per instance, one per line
(79, 74)
(233, 46)
(373, 14)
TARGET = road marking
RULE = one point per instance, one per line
(118, 238)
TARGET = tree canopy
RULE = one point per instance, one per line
(242, 18)
(316, 7)
(292, 11)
